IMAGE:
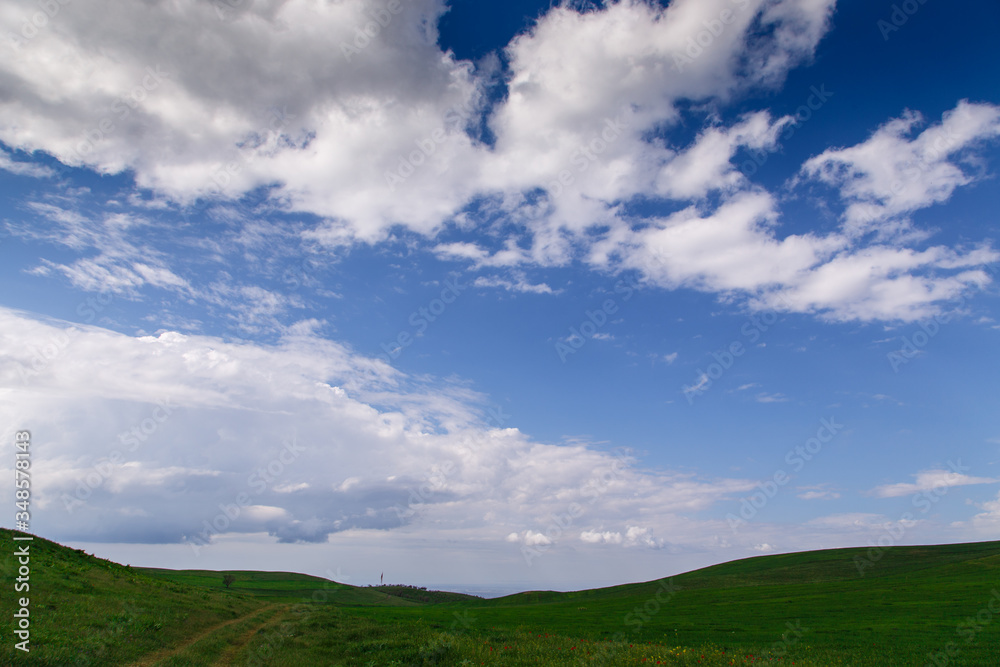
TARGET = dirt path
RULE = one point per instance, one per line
(153, 658)
(226, 659)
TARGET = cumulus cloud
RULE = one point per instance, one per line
(601, 537)
(642, 536)
(198, 438)
(217, 113)
(987, 521)
(707, 164)
(634, 536)
(890, 175)
(199, 442)
(555, 139)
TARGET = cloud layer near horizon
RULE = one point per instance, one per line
(174, 438)
(148, 438)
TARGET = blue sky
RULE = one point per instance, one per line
(504, 296)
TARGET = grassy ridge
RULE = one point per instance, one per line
(90, 611)
(907, 605)
(281, 586)
(294, 587)
(811, 567)
(811, 608)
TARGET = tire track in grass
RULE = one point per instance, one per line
(165, 654)
(227, 658)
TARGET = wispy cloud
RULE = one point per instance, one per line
(24, 168)
(817, 493)
(771, 398)
(520, 285)
(929, 480)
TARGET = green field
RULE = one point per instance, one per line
(928, 605)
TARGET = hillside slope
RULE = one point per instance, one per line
(90, 611)
(898, 608)
(804, 568)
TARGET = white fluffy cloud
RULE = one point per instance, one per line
(707, 164)
(197, 104)
(378, 132)
(889, 175)
(174, 438)
(988, 520)
(191, 440)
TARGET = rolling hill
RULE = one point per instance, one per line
(911, 605)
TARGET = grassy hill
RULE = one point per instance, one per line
(284, 586)
(911, 605)
(90, 611)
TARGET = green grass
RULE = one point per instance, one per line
(293, 587)
(279, 586)
(90, 611)
(809, 608)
